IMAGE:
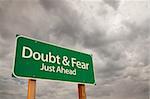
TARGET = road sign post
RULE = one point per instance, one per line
(81, 91)
(31, 89)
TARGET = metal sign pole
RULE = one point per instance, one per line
(81, 91)
(31, 89)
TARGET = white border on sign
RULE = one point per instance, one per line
(49, 79)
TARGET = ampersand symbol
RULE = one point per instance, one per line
(65, 61)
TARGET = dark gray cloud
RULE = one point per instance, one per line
(101, 91)
(69, 24)
(112, 69)
(137, 89)
(13, 90)
(113, 3)
(94, 39)
(54, 4)
(136, 31)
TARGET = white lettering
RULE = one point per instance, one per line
(47, 68)
(79, 64)
(61, 69)
(24, 52)
(73, 63)
(44, 58)
(52, 58)
(36, 55)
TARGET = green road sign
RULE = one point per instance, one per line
(37, 59)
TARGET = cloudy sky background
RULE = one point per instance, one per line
(116, 32)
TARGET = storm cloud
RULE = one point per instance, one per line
(115, 33)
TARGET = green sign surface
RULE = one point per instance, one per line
(40, 60)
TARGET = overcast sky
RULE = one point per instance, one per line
(116, 32)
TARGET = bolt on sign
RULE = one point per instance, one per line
(36, 59)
